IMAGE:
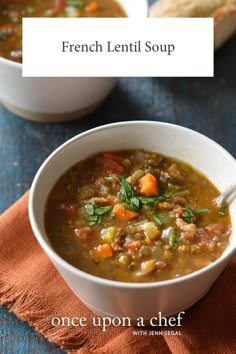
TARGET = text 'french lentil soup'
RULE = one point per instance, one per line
(12, 12)
(136, 216)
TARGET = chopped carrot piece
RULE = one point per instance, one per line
(119, 211)
(148, 241)
(93, 7)
(108, 155)
(183, 248)
(103, 251)
(133, 245)
(148, 185)
(122, 213)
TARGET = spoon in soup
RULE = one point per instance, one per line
(226, 197)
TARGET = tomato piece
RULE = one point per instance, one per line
(202, 238)
(218, 230)
(108, 155)
(133, 245)
(178, 211)
(60, 5)
(109, 166)
(85, 235)
(69, 209)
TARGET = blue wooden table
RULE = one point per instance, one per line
(207, 105)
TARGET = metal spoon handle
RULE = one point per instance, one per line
(226, 197)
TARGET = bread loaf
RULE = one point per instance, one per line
(223, 12)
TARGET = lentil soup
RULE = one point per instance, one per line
(136, 216)
(12, 12)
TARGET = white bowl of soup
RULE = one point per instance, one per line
(126, 214)
(53, 99)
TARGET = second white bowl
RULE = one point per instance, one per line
(57, 99)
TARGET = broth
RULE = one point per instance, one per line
(136, 216)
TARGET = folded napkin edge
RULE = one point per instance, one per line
(27, 306)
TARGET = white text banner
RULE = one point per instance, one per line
(118, 47)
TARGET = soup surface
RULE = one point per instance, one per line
(136, 216)
(12, 12)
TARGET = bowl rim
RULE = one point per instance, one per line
(227, 254)
(11, 63)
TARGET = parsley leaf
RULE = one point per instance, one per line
(157, 218)
(221, 212)
(149, 200)
(162, 196)
(134, 202)
(173, 240)
(2, 35)
(29, 10)
(102, 210)
(137, 223)
(189, 214)
(200, 211)
(171, 234)
(90, 208)
(99, 219)
(165, 195)
(92, 219)
(107, 179)
(75, 3)
(127, 195)
(96, 213)
(126, 190)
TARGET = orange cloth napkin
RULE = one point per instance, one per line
(33, 289)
